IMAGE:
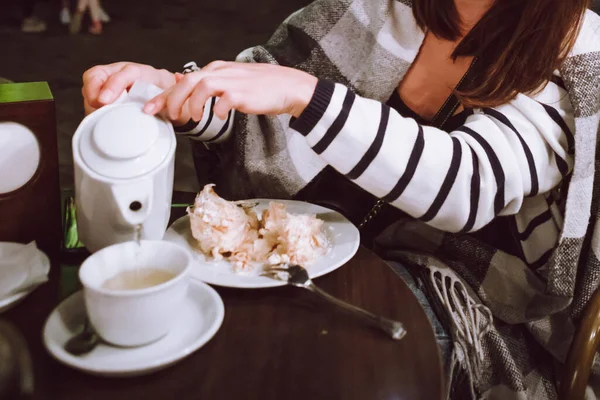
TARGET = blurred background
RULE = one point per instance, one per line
(163, 33)
(37, 45)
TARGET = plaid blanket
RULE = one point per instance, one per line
(510, 324)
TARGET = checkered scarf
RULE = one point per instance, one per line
(535, 312)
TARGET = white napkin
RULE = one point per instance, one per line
(21, 268)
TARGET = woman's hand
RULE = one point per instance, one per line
(103, 84)
(261, 89)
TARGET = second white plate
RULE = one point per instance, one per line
(343, 237)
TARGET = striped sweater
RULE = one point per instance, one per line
(503, 161)
(367, 46)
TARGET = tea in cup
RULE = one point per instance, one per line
(133, 292)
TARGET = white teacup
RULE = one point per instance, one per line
(139, 316)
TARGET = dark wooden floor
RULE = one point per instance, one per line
(166, 34)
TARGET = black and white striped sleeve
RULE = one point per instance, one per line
(210, 129)
(455, 182)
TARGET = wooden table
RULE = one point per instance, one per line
(280, 343)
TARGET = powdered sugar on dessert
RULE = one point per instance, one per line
(223, 229)
(219, 226)
(297, 239)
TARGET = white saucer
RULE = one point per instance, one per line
(200, 319)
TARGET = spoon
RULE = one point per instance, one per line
(84, 342)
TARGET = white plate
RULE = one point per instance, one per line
(9, 302)
(200, 319)
(343, 237)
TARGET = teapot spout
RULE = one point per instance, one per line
(134, 201)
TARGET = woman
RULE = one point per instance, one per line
(447, 127)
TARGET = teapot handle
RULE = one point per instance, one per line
(134, 200)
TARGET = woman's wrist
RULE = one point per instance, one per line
(303, 93)
(316, 108)
(185, 118)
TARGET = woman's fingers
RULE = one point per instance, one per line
(227, 102)
(119, 82)
(87, 107)
(91, 90)
(103, 84)
(185, 94)
(157, 104)
(93, 80)
(223, 107)
(218, 79)
(196, 104)
(190, 99)
(204, 90)
(180, 93)
(206, 85)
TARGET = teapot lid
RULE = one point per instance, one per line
(122, 142)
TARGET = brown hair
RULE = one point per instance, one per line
(518, 43)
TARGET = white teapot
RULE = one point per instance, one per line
(124, 166)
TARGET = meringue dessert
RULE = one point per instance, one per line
(224, 229)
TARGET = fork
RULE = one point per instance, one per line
(298, 276)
